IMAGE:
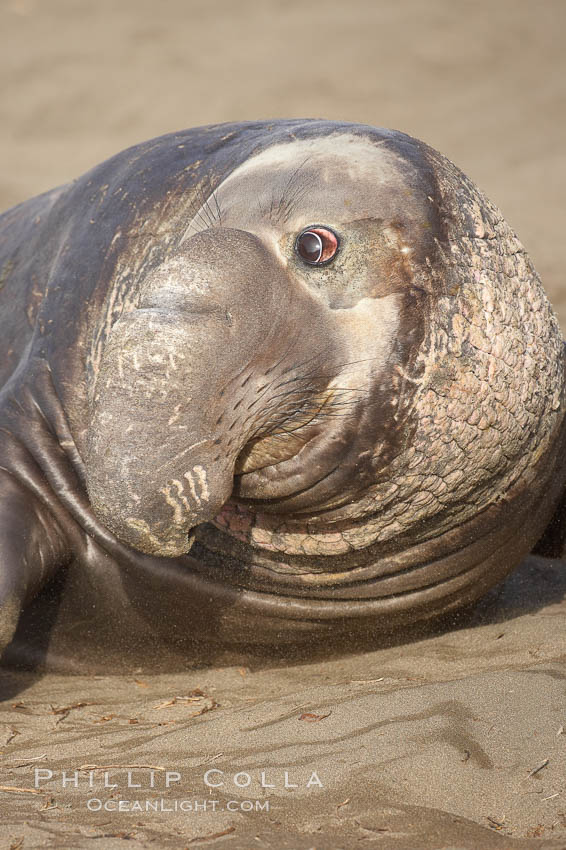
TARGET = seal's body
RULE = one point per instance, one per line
(263, 386)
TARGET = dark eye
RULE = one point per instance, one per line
(317, 245)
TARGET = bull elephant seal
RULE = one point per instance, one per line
(311, 353)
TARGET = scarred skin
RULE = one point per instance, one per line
(210, 446)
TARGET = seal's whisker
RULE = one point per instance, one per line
(297, 366)
(321, 376)
(330, 408)
(288, 198)
(283, 356)
(292, 202)
(205, 206)
(199, 216)
(204, 215)
(214, 196)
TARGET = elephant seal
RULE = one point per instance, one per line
(266, 385)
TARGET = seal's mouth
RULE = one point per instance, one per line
(287, 438)
(286, 471)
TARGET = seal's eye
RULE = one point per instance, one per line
(317, 245)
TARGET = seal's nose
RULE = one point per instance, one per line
(221, 270)
(168, 417)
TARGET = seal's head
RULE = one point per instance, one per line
(344, 380)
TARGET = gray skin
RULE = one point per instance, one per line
(210, 445)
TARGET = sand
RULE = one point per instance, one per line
(456, 739)
(452, 740)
